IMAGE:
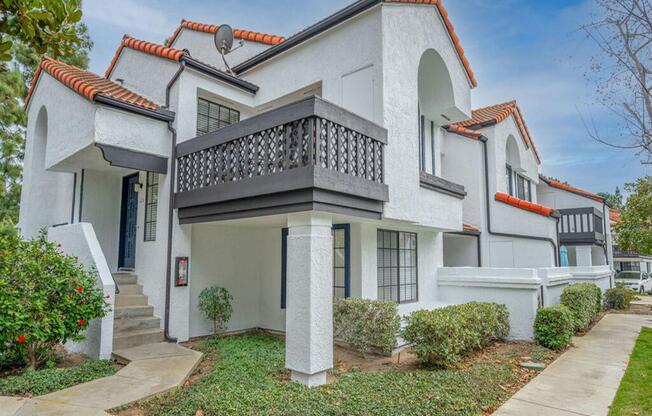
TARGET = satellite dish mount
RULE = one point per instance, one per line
(224, 43)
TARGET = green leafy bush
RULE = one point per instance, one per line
(45, 381)
(441, 337)
(554, 327)
(366, 324)
(581, 299)
(46, 298)
(215, 302)
(618, 298)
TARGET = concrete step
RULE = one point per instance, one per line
(131, 339)
(130, 300)
(125, 278)
(135, 324)
(133, 311)
(130, 289)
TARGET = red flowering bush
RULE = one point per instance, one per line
(46, 298)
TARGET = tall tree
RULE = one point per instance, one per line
(623, 32)
(614, 200)
(25, 53)
(635, 227)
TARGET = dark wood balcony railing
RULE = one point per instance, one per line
(311, 153)
(581, 226)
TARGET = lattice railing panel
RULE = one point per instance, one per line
(310, 141)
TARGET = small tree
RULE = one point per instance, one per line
(635, 227)
(215, 302)
(46, 298)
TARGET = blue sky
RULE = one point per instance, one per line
(527, 50)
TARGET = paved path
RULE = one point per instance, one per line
(584, 380)
(152, 369)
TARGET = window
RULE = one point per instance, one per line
(630, 266)
(422, 142)
(432, 145)
(212, 117)
(151, 206)
(341, 262)
(397, 266)
(524, 188)
(509, 172)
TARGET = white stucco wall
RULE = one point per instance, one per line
(460, 251)
(202, 47)
(80, 240)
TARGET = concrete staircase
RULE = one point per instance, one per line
(134, 322)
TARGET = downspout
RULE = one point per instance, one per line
(488, 211)
(173, 169)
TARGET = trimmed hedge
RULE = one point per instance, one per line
(366, 324)
(554, 327)
(618, 298)
(582, 300)
(441, 337)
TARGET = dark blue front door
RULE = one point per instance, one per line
(128, 222)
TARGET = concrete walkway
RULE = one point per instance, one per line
(585, 379)
(152, 369)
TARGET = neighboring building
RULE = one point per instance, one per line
(342, 161)
(584, 226)
(627, 261)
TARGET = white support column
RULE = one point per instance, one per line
(309, 314)
(583, 254)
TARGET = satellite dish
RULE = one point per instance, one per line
(224, 39)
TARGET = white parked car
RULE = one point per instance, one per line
(637, 281)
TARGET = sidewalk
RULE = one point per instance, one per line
(152, 369)
(585, 379)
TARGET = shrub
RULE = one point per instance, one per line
(46, 298)
(618, 298)
(366, 324)
(215, 302)
(554, 327)
(441, 337)
(581, 299)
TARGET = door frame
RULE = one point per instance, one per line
(123, 217)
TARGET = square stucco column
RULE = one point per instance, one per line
(583, 255)
(309, 314)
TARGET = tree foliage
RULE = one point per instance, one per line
(614, 200)
(46, 25)
(26, 50)
(635, 228)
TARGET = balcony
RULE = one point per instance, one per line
(581, 226)
(308, 155)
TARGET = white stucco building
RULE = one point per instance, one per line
(342, 161)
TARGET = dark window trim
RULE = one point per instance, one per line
(416, 266)
(441, 185)
(422, 142)
(347, 261)
(527, 187)
(510, 179)
(147, 237)
(432, 145)
(347, 257)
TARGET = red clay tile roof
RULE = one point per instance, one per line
(497, 113)
(146, 47)
(614, 215)
(463, 131)
(451, 31)
(525, 205)
(468, 228)
(237, 33)
(563, 186)
(87, 84)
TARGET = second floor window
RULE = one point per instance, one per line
(524, 188)
(509, 175)
(212, 116)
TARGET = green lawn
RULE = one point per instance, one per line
(634, 395)
(248, 378)
(40, 382)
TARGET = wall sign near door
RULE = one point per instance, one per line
(181, 272)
